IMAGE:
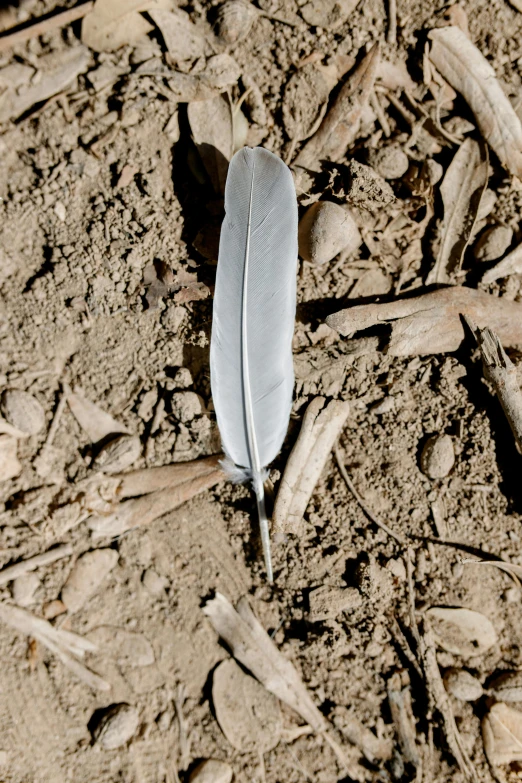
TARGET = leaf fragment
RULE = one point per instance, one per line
(462, 631)
(95, 422)
(248, 714)
(466, 69)
(462, 188)
(502, 735)
(252, 646)
(114, 23)
(67, 646)
(57, 72)
(144, 510)
(341, 124)
(182, 38)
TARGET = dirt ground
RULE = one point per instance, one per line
(104, 203)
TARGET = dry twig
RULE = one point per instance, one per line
(391, 35)
(432, 323)
(500, 371)
(369, 514)
(32, 563)
(66, 645)
(440, 699)
(41, 26)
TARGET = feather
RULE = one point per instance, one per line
(251, 369)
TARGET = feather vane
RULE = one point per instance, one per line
(253, 317)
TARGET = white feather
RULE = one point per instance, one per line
(254, 313)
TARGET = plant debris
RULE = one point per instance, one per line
(432, 323)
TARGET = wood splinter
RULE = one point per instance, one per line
(500, 371)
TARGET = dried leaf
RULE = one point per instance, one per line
(462, 631)
(66, 645)
(95, 422)
(182, 38)
(144, 510)
(249, 716)
(58, 70)
(252, 646)
(305, 94)
(319, 430)
(211, 124)
(432, 323)
(510, 265)
(512, 569)
(341, 124)
(461, 190)
(86, 576)
(502, 735)
(141, 482)
(467, 71)
(114, 23)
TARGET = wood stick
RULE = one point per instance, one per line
(500, 371)
(432, 323)
(391, 35)
(146, 509)
(32, 563)
(67, 646)
(142, 482)
(369, 514)
(41, 26)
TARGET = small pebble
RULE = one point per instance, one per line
(390, 162)
(172, 317)
(325, 230)
(119, 453)
(24, 588)
(212, 771)
(183, 378)
(386, 405)
(54, 609)
(116, 727)
(23, 411)
(435, 171)
(438, 456)
(186, 405)
(462, 685)
(493, 243)
(154, 583)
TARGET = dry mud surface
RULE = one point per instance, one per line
(105, 203)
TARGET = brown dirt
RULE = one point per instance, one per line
(73, 310)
